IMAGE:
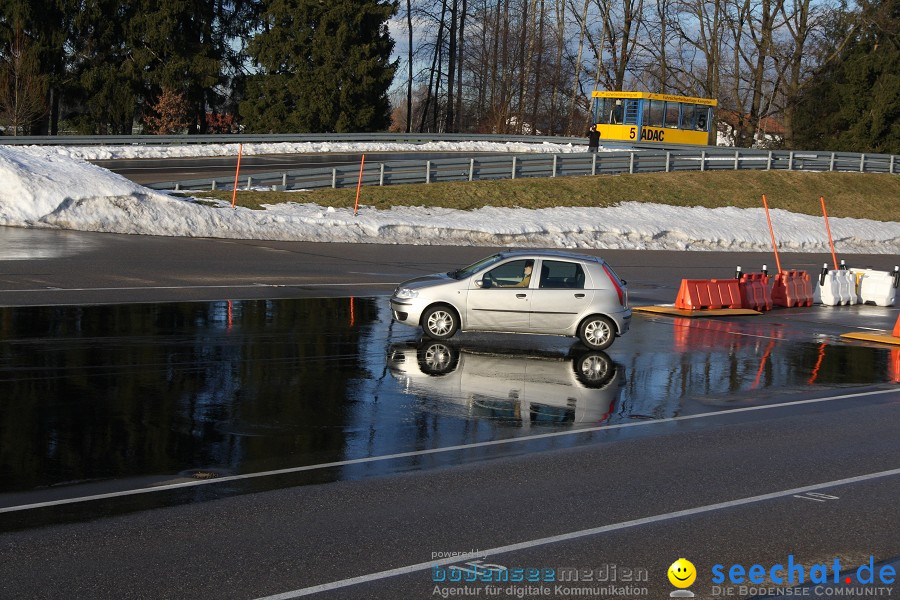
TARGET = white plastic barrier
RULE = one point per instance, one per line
(839, 287)
(877, 287)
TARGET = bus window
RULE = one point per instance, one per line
(688, 115)
(612, 112)
(702, 118)
(672, 114)
(653, 113)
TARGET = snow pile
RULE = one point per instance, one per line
(40, 189)
(198, 150)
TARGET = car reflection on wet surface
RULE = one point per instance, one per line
(511, 387)
(127, 396)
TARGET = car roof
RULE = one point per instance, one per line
(549, 254)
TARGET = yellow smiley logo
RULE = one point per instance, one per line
(682, 573)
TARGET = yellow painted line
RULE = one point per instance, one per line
(882, 338)
(711, 312)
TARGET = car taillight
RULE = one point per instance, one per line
(615, 282)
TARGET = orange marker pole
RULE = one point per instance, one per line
(772, 233)
(362, 163)
(237, 173)
(828, 229)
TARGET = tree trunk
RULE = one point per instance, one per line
(409, 82)
(459, 64)
(451, 68)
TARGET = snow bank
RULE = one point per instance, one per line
(41, 189)
(198, 150)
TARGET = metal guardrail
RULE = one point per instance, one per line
(551, 165)
(274, 138)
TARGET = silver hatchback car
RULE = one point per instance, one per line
(520, 291)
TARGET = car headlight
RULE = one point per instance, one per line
(406, 293)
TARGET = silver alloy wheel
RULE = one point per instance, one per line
(594, 368)
(440, 322)
(597, 333)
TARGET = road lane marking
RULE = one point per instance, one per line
(573, 535)
(196, 287)
(386, 457)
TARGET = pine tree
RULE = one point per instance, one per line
(106, 85)
(323, 67)
(853, 102)
(176, 44)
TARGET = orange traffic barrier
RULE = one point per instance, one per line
(896, 331)
(696, 294)
(792, 288)
(755, 291)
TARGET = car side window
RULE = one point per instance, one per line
(516, 273)
(556, 274)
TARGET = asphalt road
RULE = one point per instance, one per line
(41, 267)
(154, 170)
(809, 472)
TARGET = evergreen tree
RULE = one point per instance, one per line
(323, 67)
(106, 85)
(175, 44)
(853, 102)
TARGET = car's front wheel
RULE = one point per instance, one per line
(440, 322)
(597, 332)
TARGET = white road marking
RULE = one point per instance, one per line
(324, 587)
(385, 457)
(197, 287)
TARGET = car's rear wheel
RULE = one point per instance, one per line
(440, 322)
(597, 332)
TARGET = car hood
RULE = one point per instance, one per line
(426, 281)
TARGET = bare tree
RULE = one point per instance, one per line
(582, 21)
(800, 23)
(409, 83)
(22, 88)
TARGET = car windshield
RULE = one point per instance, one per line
(467, 271)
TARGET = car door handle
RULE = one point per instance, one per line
(579, 295)
(521, 295)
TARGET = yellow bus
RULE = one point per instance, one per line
(646, 117)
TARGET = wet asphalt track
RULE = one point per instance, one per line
(733, 440)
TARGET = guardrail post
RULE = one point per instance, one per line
(769, 162)
(177, 187)
(737, 155)
(514, 168)
(631, 163)
(471, 168)
(791, 161)
(862, 163)
(831, 166)
(334, 178)
(594, 163)
(668, 161)
(891, 170)
(702, 160)
(427, 171)
(554, 165)
(381, 175)
(284, 179)
(249, 181)
(212, 186)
